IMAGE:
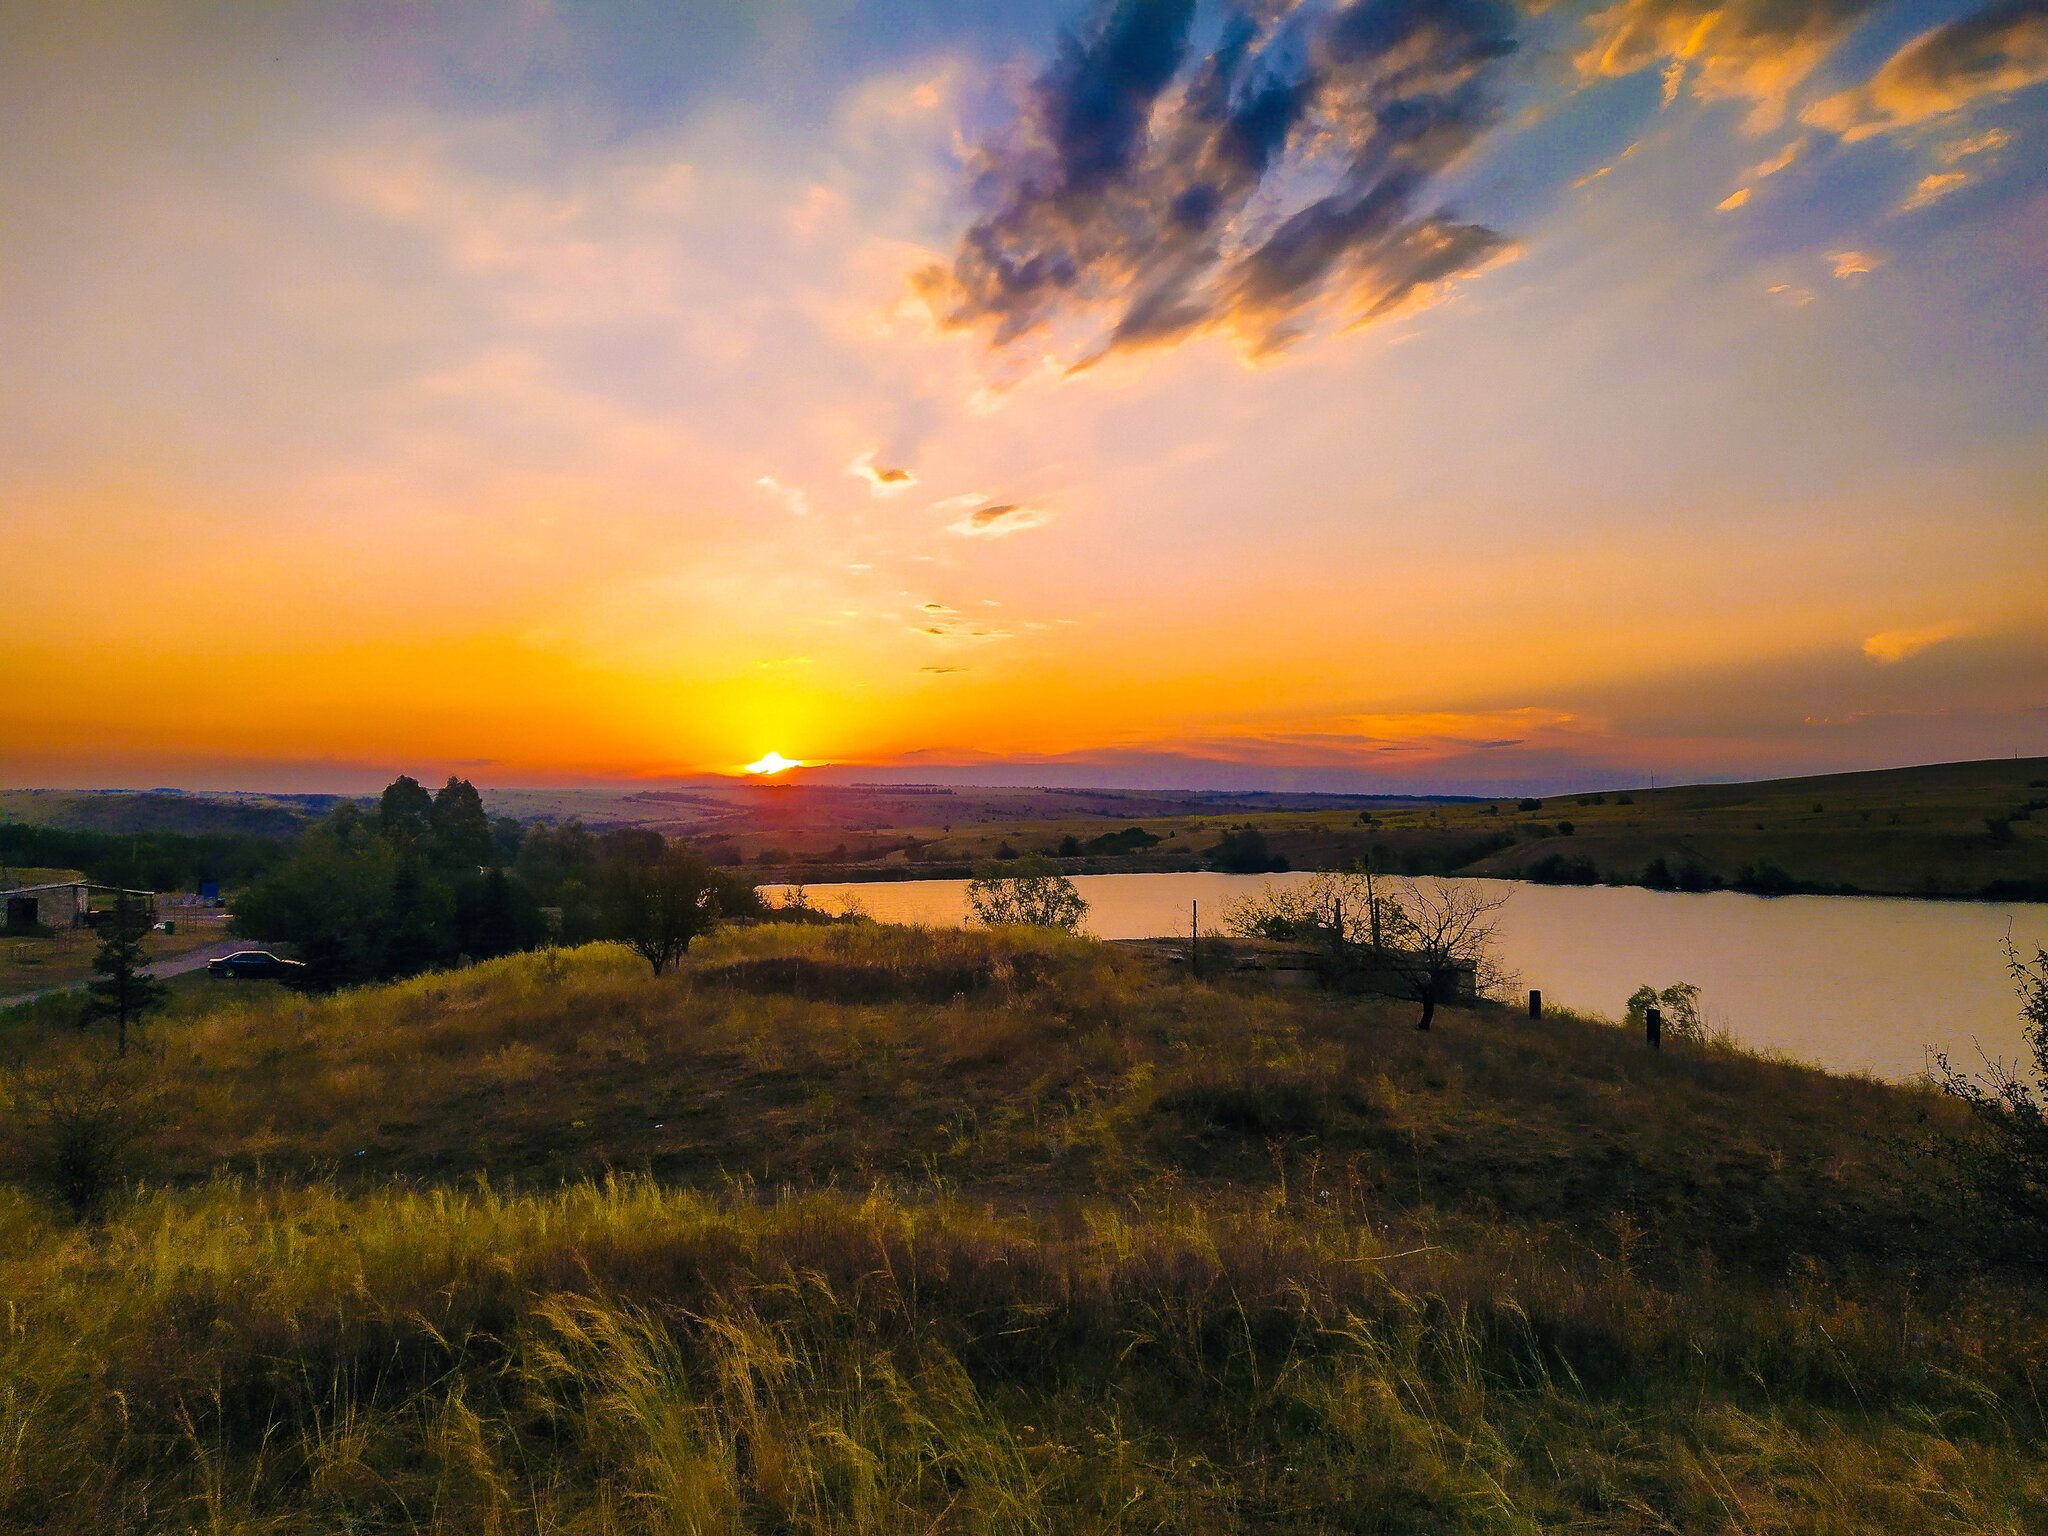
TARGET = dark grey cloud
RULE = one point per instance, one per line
(1252, 169)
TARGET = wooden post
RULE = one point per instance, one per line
(1535, 1003)
(1653, 1026)
(1194, 938)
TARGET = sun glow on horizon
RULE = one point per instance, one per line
(771, 763)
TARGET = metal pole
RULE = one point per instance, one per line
(1195, 938)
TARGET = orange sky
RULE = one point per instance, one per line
(371, 412)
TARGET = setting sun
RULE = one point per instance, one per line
(771, 763)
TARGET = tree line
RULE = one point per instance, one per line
(155, 861)
(428, 879)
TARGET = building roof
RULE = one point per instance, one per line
(70, 885)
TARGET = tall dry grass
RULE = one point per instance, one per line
(628, 1357)
(997, 1232)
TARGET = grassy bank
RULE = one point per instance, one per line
(865, 1229)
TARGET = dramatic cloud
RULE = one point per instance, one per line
(1151, 190)
(1895, 645)
(1754, 50)
(1998, 50)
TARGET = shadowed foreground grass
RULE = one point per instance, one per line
(960, 1232)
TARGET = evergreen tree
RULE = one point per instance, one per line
(121, 989)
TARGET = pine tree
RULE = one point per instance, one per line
(123, 991)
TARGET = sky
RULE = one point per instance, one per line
(1449, 394)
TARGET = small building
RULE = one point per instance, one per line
(65, 904)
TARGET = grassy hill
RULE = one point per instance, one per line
(1956, 829)
(863, 1229)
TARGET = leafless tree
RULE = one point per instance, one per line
(1435, 934)
(1412, 938)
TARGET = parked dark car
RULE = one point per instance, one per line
(255, 965)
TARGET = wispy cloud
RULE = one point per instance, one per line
(998, 519)
(882, 480)
(1778, 162)
(1933, 187)
(1891, 646)
(942, 621)
(1757, 50)
(1936, 185)
(795, 501)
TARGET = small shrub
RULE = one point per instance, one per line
(1763, 878)
(74, 1130)
(1129, 840)
(1556, 869)
(1680, 1005)
(1031, 894)
(1245, 851)
(2004, 1165)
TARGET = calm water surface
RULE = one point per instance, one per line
(1854, 983)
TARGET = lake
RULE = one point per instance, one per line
(1852, 983)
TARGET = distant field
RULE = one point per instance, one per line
(1955, 830)
(191, 814)
(1961, 829)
